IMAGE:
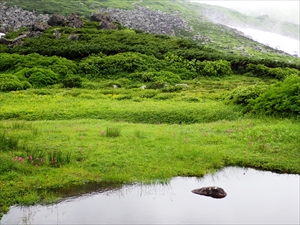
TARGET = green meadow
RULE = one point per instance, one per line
(123, 106)
(54, 138)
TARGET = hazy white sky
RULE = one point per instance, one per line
(291, 4)
(287, 10)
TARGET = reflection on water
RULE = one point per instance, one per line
(253, 197)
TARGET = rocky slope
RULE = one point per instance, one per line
(156, 22)
(13, 18)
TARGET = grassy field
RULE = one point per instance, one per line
(53, 137)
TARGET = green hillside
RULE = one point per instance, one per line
(90, 105)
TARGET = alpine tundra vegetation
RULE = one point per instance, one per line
(127, 91)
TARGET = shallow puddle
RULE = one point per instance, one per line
(253, 197)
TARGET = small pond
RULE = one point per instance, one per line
(253, 197)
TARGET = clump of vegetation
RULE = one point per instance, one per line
(244, 94)
(281, 99)
(113, 132)
(38, 77)
(9, 82)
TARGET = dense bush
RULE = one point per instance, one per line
(15, 62)
(10, 82)
(281, 99)
(72, 82)
(115, 65)
(162, 77)
(261, 70)
(242, 95)
(217, 68)
(38, 77)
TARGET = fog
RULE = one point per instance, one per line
(276, 41)
(283, 10)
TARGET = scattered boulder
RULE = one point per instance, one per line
(56, 33)
(39, 26)
(57, 20)
(75, 21)
(105, 21)
(182, 85)
(213, 191)
(5, 41)
(73, 37)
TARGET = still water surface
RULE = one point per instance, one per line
(253, 197)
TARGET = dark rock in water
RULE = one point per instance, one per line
(214, 192)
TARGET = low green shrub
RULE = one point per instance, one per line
(72, 82)
(281, 99)
(8, 143)
(156, 85)
(261, 70)
(114, 65)
(242, 95)
(156, 77)
(10, 82)
(113, 132)
(58, 158)
(38, 77)
(218, 68)
(164, 96)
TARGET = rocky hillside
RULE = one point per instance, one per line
(12, 18)
(176, 18)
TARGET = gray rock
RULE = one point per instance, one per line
(5, 41)
(57, 20)
(155, 22)
(214, 192)
(73, 37)
(13, 18)
(74, 21)
(182, 85)
(39, 26)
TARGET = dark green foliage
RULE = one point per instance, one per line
(72, 82)
(8, 143)
(282, 99)
(115, 65)
(217, 68)
(242, 95)
(10, 82)
(38, 77)
(16, 62)
(156, 85)
(261, 70)
(113, 132)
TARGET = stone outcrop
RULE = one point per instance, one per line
(57, 20)
(105, 21)
(140, 18)
(74, 21)
(14, 18)
(214, 192)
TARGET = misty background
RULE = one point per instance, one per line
(282, 10)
